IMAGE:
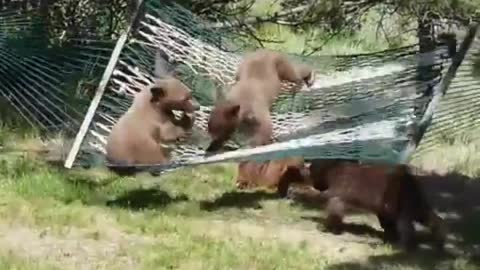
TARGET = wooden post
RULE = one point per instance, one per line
(99, 93)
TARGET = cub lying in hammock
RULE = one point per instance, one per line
(391, 192)
(139, 135)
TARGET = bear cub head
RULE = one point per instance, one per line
(169, 95)
(223, 121)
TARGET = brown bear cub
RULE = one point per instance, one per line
(391, 192)
(265, 174)
(139, 135)
(246, 108)
(247, 105)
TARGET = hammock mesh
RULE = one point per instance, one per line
(457, 112)
(360, 106)
(43, 83)
(359, 111)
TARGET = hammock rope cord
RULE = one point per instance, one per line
(360, 107)
(41, 83)
(362, 116)
(439, 91)
(455, 115)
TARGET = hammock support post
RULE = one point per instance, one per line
(100, 91)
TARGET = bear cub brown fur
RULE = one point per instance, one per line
(247, 105)
(140, 134)
(392, 192)
(265, 174)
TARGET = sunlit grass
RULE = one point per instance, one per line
(452, 154)
(13, 262)
(190, 219)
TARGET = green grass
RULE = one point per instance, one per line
(13, 262)
(37, 196)
(190, 219)
(459, 154)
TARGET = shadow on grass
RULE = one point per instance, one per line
(421, 259)
(350, 227)
(457, 198)
(238, 199)
(145, 198)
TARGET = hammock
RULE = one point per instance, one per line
(41, 84)
(366, 110)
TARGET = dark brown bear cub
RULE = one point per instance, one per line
(389, 191)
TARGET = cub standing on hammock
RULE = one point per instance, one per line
(247, 105)
(393, 193)
(139, 135)
(247, 109)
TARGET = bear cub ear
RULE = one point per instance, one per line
(157, 93)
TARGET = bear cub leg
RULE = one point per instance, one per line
(390, 234)
(335, 212)
(406, 231)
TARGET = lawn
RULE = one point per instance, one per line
(194, 218)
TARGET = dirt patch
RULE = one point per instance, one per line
(71, 249)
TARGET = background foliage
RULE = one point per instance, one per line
(264, 22)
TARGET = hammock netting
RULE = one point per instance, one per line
(361, 109)
(458, 110)
(46, 85)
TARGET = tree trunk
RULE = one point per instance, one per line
(34, 3)
(44, 16)
(44, 8)
(425, 69)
